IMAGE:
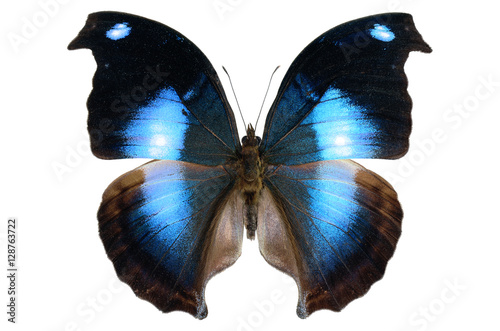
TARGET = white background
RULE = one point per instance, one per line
(445, 272)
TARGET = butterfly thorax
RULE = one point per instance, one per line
(250, 174)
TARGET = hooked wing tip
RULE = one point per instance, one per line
(75, 44)
(83, 35)
(99, 25)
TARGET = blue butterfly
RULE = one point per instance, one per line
(173, 223)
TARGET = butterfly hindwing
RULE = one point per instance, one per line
(345, 96)
(155, 94)
(332, 226)
(168, 227)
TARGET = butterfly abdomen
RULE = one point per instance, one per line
(250, 176)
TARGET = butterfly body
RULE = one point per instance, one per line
(178, 220)
(250, 178)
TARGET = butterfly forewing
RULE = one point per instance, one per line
(345, 95)
(155, 94)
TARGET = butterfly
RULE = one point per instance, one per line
(171, 224)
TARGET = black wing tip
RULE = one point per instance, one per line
(73, 45)
(77, 43)
(417, 43)
(83, 39)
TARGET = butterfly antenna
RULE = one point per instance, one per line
(232, 88)
(269, 85)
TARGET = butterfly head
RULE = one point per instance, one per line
(250, 140)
